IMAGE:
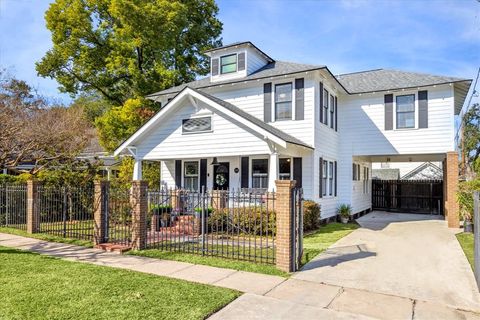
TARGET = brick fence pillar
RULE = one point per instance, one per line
(451, 187)
(284, 238)
(100, 200)
(33, 211)
(139, 202)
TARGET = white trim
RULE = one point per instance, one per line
(173, 103)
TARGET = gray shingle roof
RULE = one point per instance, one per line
(272, 69)
(242, 43)
(265, 126)
(384, 79)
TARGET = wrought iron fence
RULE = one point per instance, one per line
(231, 224)
(66, 211)
(118, 216)
(13, 206)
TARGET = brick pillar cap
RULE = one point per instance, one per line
(285, 183)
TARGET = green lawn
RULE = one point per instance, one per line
(313, 243)
(318, 241)
(39, 287)
(46, 237)
(466, 240)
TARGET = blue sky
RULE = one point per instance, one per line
(439, 37)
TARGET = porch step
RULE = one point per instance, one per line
(113, 247)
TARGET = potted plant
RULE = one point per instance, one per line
(344, 211)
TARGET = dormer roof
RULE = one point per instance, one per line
(241, 44)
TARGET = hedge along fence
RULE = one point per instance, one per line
(245, 225)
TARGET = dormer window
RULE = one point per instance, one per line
(228, 64)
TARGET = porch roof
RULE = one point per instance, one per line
(267, 130)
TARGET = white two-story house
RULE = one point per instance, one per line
(254, 120)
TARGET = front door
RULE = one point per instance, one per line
(221, 174)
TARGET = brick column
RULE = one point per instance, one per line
(100, 200)
(284, 238)
(139, 202)
(33, 213)
(451, 187)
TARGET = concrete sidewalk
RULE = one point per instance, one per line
(266, 297)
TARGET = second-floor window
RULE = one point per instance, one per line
(325, 106)
(332, 111)
(405, 109)
(283, 101)
(228, 64)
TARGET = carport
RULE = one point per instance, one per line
(419, 196)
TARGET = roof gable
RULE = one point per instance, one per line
(275, 135)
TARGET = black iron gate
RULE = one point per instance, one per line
(410, 196)
(297, 227)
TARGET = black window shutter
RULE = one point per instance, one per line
(241, 61)
(388, 111)
(215, 67)
(178, 173)
(354, 171)
(299, 99)
(320, 172)
(423, 109)
(335, 177)
(203, 173)
(297, 171)
(267, 102)
(244, 172)
(321, 102)
(336, 114)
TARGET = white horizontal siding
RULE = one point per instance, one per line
(167, 141)
(361, 121)
(254, 61)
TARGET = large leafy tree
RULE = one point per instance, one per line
(126, 49)
(471, 139)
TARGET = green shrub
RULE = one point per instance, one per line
(311, 215)
(160, 208)
(248, 220)
(208, 210)
(9, 179)
(465, 197)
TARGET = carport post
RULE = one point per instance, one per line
(476, 226)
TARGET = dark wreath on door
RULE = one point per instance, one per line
(221, 174)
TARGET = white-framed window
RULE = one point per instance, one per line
(190, 175)
(197, 125)
(332, 111)
(366, 177)
(325, 106)
(285, 168)
(228, 63)
(283, 101)
(330, 178)
(355, 172)
(260, 173)
(324, 177)
(405, 111)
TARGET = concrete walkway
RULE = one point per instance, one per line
(314, 293)
(406, 255)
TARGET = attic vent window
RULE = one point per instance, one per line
(196, 125)
(228, 64)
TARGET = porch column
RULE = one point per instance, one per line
(272, 171)
(137, 169)
(451, 187)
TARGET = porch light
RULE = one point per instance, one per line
(214, 162)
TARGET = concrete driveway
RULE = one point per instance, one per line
(405, 255)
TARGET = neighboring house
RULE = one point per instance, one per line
(263, 120)
(407, 171)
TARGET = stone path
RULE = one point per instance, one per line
(266, 297)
